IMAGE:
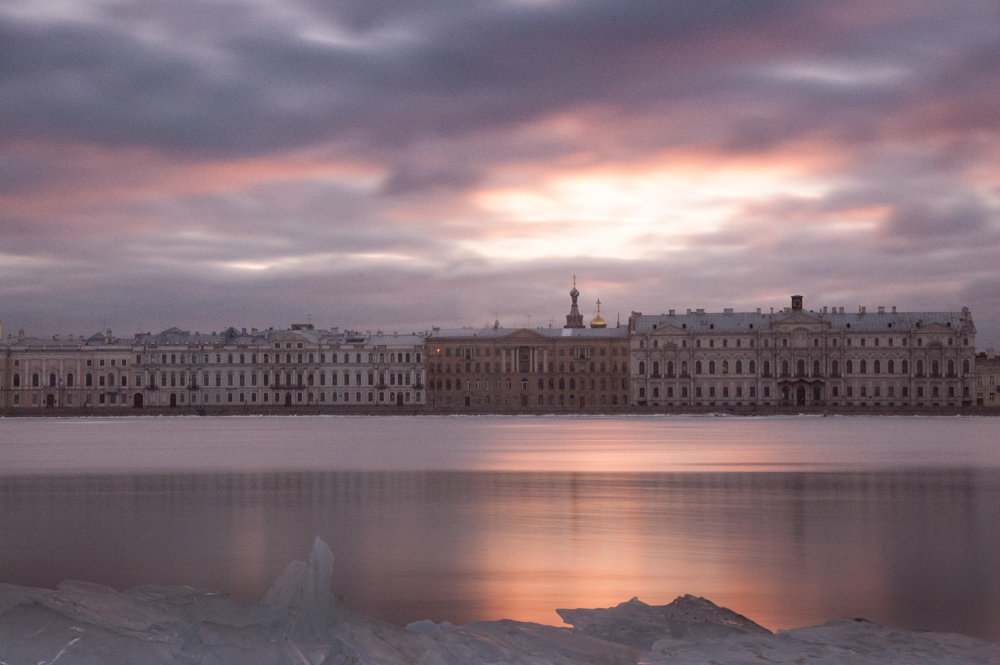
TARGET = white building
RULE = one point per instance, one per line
(297, 367)
(794, 357)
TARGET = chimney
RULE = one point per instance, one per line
(881, 309)
(796, 302)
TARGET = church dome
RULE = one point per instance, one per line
(598, 321)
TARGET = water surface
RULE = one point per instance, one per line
(790, 521)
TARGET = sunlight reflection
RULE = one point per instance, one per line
(616, 212)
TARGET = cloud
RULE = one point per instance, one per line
(402, 165)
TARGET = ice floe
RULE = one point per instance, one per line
(298, 622)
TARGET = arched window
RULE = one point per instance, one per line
(891, 366)
(697, 367)
(572, 383)
(767, 368)
(656, 368)
(725, 367)
(784, 368)
(920, 368)
(951, 368)
(878, 366)
(850, 367)
(69, 380)
(17, 380)
(965, 366)
(935, 368)
(905, 366)
(670, 368)
(800, 367)
(753, 367)
(34, 380)
(90, 380)
(739, 366)
(816, 368)
(834, 368)
(52, 380)
(642, 367)
(864, 366)
(711, 367)
(684, 368)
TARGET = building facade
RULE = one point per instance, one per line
(988, 379)
(802, 358)
(540, 370)
(530, 370)
(797, 358)
(296, 367)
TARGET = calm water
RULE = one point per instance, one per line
(791, 521)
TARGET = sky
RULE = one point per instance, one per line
(368, 164)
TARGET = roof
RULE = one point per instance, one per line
(858, 321)
(502, 333)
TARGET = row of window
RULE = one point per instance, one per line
(113, 398)
(862, 341)
(738, 392)
(90, 362)
(800, 367)
(470, 352)
(277, 358)
(53, 380)
(580, 366)
(562, 383)
(174, 379)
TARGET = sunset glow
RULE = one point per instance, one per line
(454, 164)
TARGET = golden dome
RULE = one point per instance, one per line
(598, 321)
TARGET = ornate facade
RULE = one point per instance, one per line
(530, 370)
(802, 358)
(541, 370)
(695, 360)
(297, 367)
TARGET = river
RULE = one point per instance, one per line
(789, 520)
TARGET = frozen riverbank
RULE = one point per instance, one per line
(297, 622)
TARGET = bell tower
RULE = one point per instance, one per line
(574, 319)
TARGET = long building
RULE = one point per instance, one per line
(800, 358)
(235, 369)
(738, 361)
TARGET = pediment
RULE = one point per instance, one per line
(800, 319)
(668, 329)
(524, 334)
(174, 331)
(936, 327)
(288, 337)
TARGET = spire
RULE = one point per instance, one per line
(574, 319)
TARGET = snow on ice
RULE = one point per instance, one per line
(297, 622)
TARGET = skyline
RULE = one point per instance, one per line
(365, 165)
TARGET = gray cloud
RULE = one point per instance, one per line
(210, 164)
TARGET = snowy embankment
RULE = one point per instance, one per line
(297, 622)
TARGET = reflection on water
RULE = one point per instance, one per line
(916, 548)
